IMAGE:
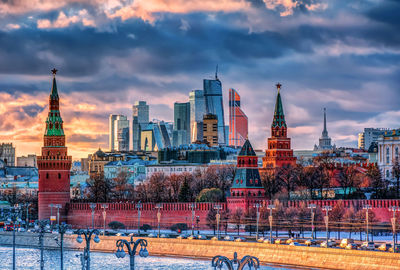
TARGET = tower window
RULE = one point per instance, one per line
(47, 175)
(59, 175)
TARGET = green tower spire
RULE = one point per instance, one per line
(279, 116)
(54, 122)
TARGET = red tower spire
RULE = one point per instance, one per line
(279, 152)
(54, 164)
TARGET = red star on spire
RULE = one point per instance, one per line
(54, 71)
(278, 86)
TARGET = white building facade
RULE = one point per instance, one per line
(388, 152)
(174, 168)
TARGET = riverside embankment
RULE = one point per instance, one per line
(312, 257)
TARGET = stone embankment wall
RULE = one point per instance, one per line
(312, 257)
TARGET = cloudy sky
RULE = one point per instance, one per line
(343, 55)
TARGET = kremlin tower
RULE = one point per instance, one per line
(54, 164)
(279, 152)
(246, 188)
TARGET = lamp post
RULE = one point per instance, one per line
(27, 205)
(270, 207)
(158, 207)
(61, 231)
(58, 206)
(14, 217)
(367, 207)
(217, 217)
(88, 236)
(327, 208)
(51, 213)
(139, 208)
(131, 247)
(193, 207)
(93, 207)
(41, 226)
(312, 206)
(104, 207)
(250, 261)
(393, 220)
(257, 206)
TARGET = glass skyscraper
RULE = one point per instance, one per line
(214, 104)
(140, 119)
(197, 112)
(238, 122)
(181, 133)
(119, 133)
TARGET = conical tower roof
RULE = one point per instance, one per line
(247, 149)
(54, 92)
(279, 116)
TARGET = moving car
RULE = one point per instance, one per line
(331, 243)
(351, 246)
(296, 244)
(385, 247)
(310, 242)
(345, 242)
(368, 246)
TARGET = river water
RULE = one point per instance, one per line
(28, 259)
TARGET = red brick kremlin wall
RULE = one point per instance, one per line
(79, 214)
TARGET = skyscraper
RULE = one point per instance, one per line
(197, 112)
(140, 119)
(119, 133)
(141, 110)
(54, 164)
(325, 142)
(210, 129)
(181, 133)
(214, 104)
(111, 139)
(238, 121)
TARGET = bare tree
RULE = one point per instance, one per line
(396, 174)
(349, 177)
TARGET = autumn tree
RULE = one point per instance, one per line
(288, 178)
(337, 215)
(271, 183)
(350, 218)
(122, 190)
(349, 177)
(98, 189)
(237, 218)
(396, 175)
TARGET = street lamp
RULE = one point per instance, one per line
(367, 207)
(251, 261)
(104, 207)
(61, 230)
(193, 207)
(51, 213)
(158, 207)
(27, 205)
(88, 236)
(312, 206)
(131, 247)
(393, 220)
(270, 207)
(93, 207)
(14, 217)
(327, 208)
(257, 206)
(217, 217)
(42, 226)
(139, 208)
(58, 206)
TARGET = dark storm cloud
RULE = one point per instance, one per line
(33, 110)
(80, 138)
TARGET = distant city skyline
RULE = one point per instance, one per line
(335, 54)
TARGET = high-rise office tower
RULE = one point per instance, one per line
(111, 139)
(370, 135)
(197, 112)
(210, 129)
(119, 133)
(181, 133)
(136, 130)
(214, 104)
(238, 121)
(140, 119)
(141, 110)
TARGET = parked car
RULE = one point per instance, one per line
(261, 240)
(331, 243)
(345, 242)
(240, 239)
(296, 244)
(228, 238)
(385, 247)
(289, 241)
(368, 246)
(351, 246)
(279, 241)
(310, 242)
